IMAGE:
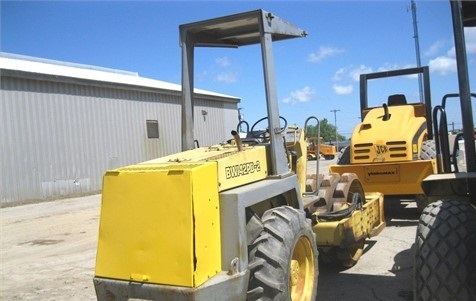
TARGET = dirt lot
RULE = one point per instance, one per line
(48, 253)
(48, 250)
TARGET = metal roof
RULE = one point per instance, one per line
(240, 29)
(39, 66)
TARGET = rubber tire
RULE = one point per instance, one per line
(428, 150)
(445, 255)
(344, 156)
(421, 201)
(271, 254)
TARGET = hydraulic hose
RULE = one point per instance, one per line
(357, 203)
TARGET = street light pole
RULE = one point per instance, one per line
(335, 125)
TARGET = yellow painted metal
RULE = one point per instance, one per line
(240, 168)
(391, 178)
(301, 270)
(297, 148)
(361, 224)
(160, 223)
(327, 150)
(394, 140)
(235, 168)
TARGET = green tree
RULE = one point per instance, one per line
(328, 131)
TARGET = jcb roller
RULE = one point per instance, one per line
(392, 150)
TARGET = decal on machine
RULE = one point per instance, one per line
(381, 149)
(243, 169)
(386, 173)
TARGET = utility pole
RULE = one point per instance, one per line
(335, 125)
(417, 47)
(240, 118)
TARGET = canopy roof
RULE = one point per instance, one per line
(240, 29)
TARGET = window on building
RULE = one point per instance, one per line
(152, 129)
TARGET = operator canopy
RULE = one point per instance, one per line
(239, 30)
(468, 9)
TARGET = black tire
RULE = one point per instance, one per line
(445, 255)
(421, 201)
(428, 150)
(344, 156)
(283, 260)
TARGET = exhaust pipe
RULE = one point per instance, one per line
(237, 138)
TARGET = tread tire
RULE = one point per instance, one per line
(270, 256)
(428, 150)
(344, 156)
(445, 252)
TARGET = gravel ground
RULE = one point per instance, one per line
(48, 250)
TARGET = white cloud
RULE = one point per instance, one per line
(301, 95)
(389, 67)
(434, 48)
(323, 53)
(343, 90)
(356, 72)
(222, 61)
(340, 74)
(348, 74)
(226, 77)
(447, 63)
(443, 65)
(351, 72)
(451, 52)
(470, 38)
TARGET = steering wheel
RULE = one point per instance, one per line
(262, 134)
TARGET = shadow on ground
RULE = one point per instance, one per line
(382, 273)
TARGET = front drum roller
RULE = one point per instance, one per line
(283, 260)
(342, 198)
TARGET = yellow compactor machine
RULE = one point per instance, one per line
(392, 150)
(328, 151)
(234, 221)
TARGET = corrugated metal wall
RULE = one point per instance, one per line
(58, 138)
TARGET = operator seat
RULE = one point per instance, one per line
(397, 100)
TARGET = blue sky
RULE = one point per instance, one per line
(314, 75)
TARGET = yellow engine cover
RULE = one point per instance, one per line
(235, 168)
(395, 140)
(160, 223)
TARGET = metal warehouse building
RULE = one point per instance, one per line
(63, 125)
